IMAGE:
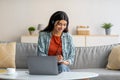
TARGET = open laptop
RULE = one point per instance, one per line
(42, 65)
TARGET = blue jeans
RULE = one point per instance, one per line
(63, 68)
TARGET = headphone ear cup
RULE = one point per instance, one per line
(52, 22)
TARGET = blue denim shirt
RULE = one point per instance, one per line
(68, 48)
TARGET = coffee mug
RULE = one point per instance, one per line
(11, 70)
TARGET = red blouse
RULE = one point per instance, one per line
(55, 47)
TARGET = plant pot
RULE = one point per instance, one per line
(31, 32)
(107, 31)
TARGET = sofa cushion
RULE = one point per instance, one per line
(23, 50)
(91, 57)
(7, 55)
(114, 58)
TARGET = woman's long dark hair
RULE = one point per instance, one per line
(59, 15)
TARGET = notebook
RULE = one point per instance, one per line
(42, 65)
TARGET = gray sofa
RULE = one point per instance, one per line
(87, 59)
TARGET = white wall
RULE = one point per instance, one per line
(17, 15)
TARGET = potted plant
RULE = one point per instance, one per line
(107, 27)
(31, 30)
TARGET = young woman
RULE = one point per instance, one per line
(55, 40)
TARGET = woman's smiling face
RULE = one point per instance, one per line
(59, 26)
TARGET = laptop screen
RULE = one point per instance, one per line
(42, 65)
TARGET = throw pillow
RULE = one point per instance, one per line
(7, 55)
(114, 58)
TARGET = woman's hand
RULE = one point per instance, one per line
(59, 58)
(65, 62)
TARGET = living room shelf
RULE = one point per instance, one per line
(94, 40)
(80, 40)
(29, 38)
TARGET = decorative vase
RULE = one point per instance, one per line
(107, 31)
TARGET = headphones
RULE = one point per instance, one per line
(53, 21)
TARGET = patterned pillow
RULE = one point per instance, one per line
(7, 55)
(114, 58)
